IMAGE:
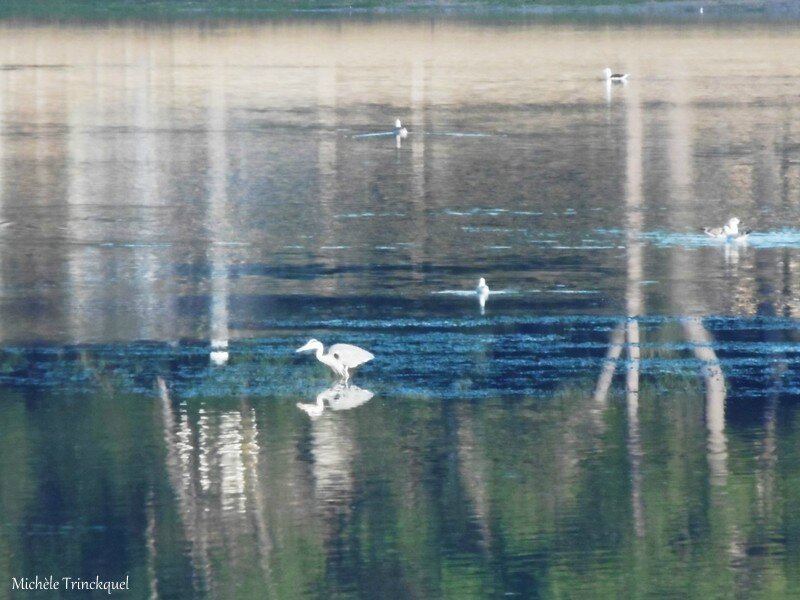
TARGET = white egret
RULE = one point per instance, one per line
(340, 357)
(345, 397)
(615, 77)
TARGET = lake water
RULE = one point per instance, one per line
(620, 420)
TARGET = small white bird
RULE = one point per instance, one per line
(483, 293)
(730, 231)
(615, 77)
(482, 289)
(340, 357)
(399, 130)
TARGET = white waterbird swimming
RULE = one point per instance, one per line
(483, 293)
(399, 130)
(615, 77)
(482, 289)
(340, 357)
(729, 231)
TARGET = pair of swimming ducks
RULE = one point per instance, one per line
(728, 232)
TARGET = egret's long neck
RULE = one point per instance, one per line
(318, 353)
(327, 359)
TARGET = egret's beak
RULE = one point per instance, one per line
(303, 348)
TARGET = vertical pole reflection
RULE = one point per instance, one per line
(180, 468)
(419, 216)
(79, 257)
(251, 451)
(681, 179)
(218, 216)
(600, 395)
(472, 467)
(3, 96)
(701, 340)
(230, 451)
(683, 267)
(213, 469)
(680, 147)
(327, 147)
(768, 458)
(152, 547)
(142, 91)
(778, 274)
(717, 443)
(417, 122)
(633, 295)
(333, 452)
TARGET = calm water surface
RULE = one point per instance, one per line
(620, 420)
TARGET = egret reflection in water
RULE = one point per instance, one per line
(339, 397)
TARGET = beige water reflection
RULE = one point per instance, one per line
(106, 179)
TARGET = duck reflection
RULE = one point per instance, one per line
(332, 448)
(339, 397)
(732, 255)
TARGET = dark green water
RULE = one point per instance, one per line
(619, 420)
